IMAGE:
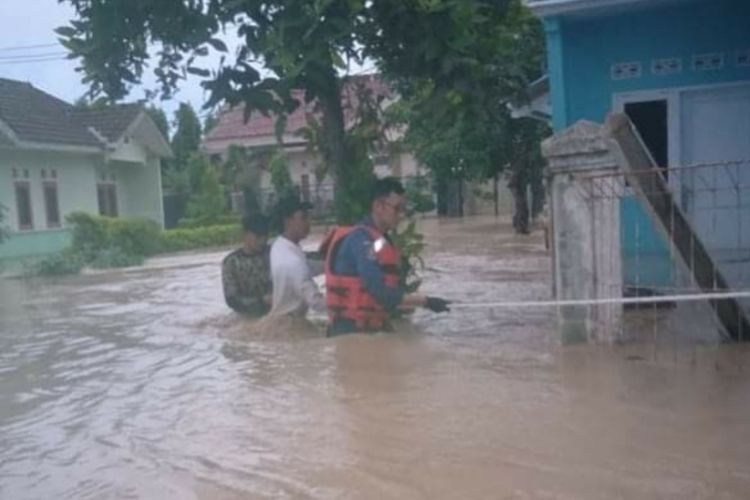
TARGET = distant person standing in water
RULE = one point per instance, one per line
(245, 273)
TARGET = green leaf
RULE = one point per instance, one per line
(338, 61)
(198, 71)
(217, 44)
(66, 31)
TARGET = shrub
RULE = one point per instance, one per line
(134, 236)
(116, 257)
(93, 234)
(89, 234)
(104, 242)
(66, 262)
(411, 244)
(222, 220)
(174, 240)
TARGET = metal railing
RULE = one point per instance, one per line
(682, 230)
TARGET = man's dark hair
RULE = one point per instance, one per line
(256, 224)
(286, 207)
(289, 205)
(382, 188)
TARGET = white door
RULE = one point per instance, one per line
(715, 130)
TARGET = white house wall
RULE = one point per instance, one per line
(409, 167)
(75, 179)
(76, 192)
(139, 190)
(300, 163)
(129, 151)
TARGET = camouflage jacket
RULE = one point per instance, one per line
(246, 279)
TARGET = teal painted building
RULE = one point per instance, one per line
(56, 159)
(681, 70)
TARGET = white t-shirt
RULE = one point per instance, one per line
(294, 291)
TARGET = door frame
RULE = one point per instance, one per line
(673, 96)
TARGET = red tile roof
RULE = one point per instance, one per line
(232, 126)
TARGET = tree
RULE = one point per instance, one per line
(460, 125)
(302, 45)
(207, 197)
(281, 180)
(241, 171)
(159, 118)
(187, 135)
(524, 170)
(210, 122)
(185, 143)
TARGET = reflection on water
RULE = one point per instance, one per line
(139, 384)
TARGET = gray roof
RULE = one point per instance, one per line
(35, 116)
(112, 121)
(5, 140)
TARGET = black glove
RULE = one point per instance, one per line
(437, 305)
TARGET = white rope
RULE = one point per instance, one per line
(604, 301)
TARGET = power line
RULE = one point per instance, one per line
(26, 47)
(32, 56)
(35, 60)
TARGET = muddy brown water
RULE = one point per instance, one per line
(139, 384)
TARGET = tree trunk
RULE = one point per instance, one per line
(537, 195)
(461, 198)
(518, 186)
(496, 194)
(450, 197)
(441, 188)
(335, 151)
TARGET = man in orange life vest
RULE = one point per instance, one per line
(363, 281)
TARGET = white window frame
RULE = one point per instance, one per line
(51, 181)
(673, 96)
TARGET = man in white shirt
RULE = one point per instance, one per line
(294, 291)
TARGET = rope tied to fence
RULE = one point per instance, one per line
(654, 299)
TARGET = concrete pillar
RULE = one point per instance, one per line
(585, 214)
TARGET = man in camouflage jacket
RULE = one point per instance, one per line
(246, 273)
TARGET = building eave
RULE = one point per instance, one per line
(537, 104)
(58, 148)
(548, 8)
(160, 146)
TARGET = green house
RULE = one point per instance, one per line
(56, 158)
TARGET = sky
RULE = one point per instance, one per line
(25, 25)
(30, 52)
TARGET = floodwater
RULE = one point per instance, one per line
(139, 384)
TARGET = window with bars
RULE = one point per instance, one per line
(106, 193)
(23, 205)
(51, 203)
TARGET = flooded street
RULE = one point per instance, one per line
(136, 384)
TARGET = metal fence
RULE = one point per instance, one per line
(673, 232)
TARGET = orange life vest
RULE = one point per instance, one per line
(346, 296)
